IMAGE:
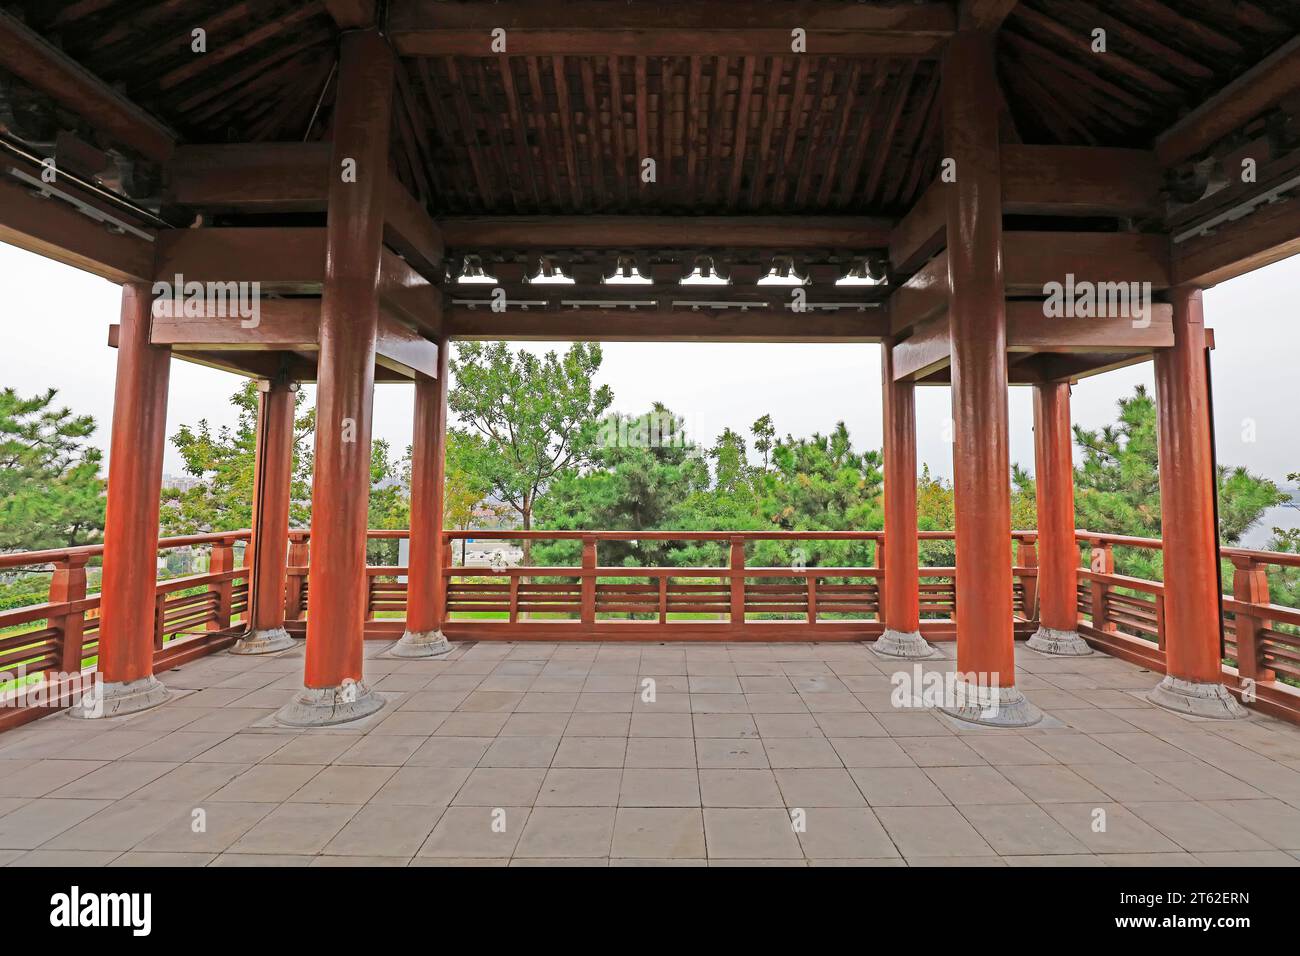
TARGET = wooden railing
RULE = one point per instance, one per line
(732, 599)
(1125, 615)
(193, 614)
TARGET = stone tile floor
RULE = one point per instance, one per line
(533, 754)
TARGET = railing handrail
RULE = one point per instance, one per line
(19, 559)
(500, 534)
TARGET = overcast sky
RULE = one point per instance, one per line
(55, 332)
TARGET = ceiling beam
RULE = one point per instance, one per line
(249, 177)
(624, 325)
(927, 350)
(352, 14)
(291, 325)
(1030, 329)
(54, 229)
(1040, 181)
(1258, 89)
(1079, 181)
(282, 259)
(471, 233)
(1270, 233)
(410, 230)
(705, 27)
(985, 14)
(1033, 259)
(46, 68)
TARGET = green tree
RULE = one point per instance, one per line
(526, 419)
(1117, 487)
(224, 460)
(51, 493)
(637, 486)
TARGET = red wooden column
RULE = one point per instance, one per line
(126, 629)
(981, 460)
(901, 590)
(1193, 682)
(272, 478)
(333, 689)
(1058, 554)
(425, 585)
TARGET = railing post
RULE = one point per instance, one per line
(1102, 562)
(737, 578)
(67, 586)
(812, 598)
(299, 554)
(588, 580)
(1027, 557)
(1250, 586)
(221, 561)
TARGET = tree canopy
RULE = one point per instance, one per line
(51, 493)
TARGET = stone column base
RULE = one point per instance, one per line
(1048, 640)
(993, 707)
(267, 641)
(910, 646)
(1200, 699)
(119, 698)
(416, 644)
(326, 706)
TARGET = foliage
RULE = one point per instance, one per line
(526, 419)
(1117, 488)
(637, 486)
(224, 460)
(51, 494)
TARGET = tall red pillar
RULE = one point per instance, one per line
(333, 690)
(1193, 682)
(272, 478)
(981, 459)
(425, 586)
(1058, 554)
(901, 589)
(126, 629)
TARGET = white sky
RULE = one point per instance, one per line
(55, 329)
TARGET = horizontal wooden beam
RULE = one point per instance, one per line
(925, 351)
(401, 349)
(410, 230)
(1033, 259)
(921, 233)
(1079, 181)
(46, 68)
(471, 233)
(704, 27)
(293, 177)
(1269, 234)
(280, 324)
(53, 228)
(1040, 181)
(409, 296)
(623, 325)
(1258, 89)
(250, 177)
(1031, 329)
(288, 325)
(282, 259)
(923, 296)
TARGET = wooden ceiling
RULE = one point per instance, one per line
(735, 133)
